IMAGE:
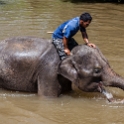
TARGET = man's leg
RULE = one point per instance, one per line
(58, 43)
(72, 43)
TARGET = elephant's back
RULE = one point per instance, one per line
(23, 47)
(19, 50)
(24, 44)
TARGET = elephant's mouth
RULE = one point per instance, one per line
(89, 84)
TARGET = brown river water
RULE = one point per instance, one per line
(36, 18)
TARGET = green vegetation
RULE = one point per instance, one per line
(2, 2)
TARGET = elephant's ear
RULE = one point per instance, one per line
(68, 70)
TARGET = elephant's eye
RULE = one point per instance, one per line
(97, 70)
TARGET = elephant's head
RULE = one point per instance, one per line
(82, 68)
(87, 67)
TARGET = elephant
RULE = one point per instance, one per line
(31, 64)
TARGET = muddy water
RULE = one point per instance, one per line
(35, 18)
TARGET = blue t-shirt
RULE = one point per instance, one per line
(68, 29)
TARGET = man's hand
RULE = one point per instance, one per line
(91, 45)
(67, 51)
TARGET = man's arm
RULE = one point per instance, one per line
(85, 37)
(66, 49)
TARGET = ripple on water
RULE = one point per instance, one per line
(35, 18)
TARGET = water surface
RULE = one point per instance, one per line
(36, 18)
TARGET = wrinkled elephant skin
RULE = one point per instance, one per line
(32, 65)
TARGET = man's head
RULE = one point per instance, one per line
(85, 19)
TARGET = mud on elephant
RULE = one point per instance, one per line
(32, 65)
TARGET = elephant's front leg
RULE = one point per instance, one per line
(49, 88)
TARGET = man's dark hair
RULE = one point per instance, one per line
(85, 17)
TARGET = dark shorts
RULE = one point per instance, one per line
(58, 43)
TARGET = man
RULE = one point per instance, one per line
(62, 36)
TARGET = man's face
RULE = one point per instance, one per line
(84, 24)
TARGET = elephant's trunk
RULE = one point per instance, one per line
(110, 78)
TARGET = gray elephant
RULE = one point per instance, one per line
(32, 65)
